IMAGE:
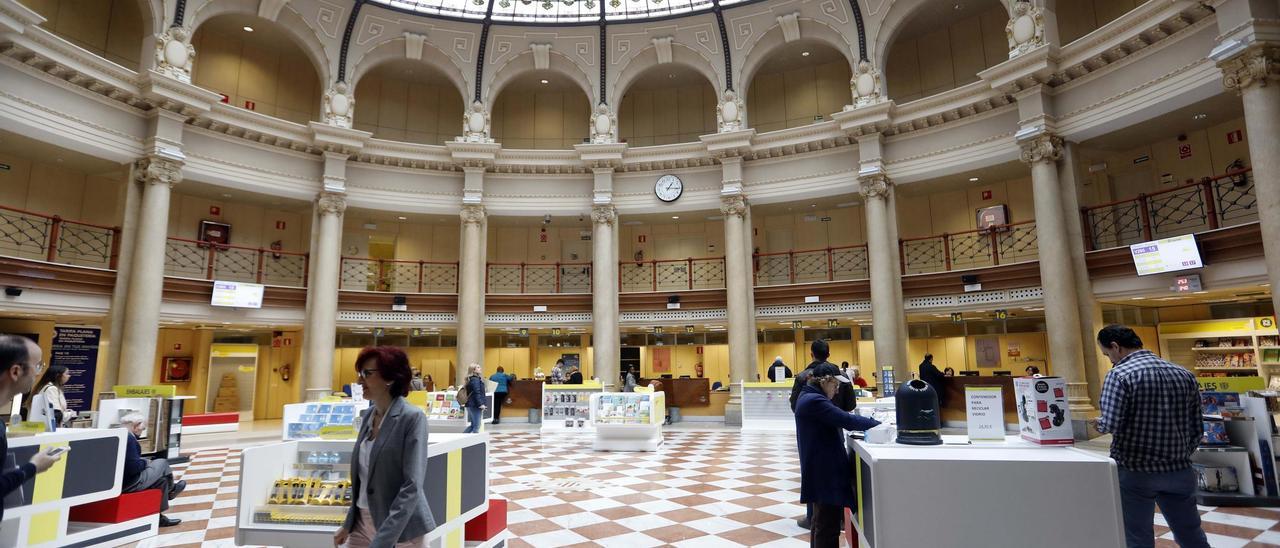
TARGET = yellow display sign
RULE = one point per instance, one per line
(147, 391)
(337, 432)
(27, 428)
(224, 350)
(417, 398)
(1230, 384)
(1208, 326)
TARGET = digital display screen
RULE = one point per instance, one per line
(1167, 255)
(237, 294)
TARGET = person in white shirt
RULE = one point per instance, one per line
(48, 400)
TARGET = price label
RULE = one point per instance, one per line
(337, 432)
(155, 391)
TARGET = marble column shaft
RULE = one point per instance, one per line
(471, 276)
(146, 278)
(322, 303)
(1090, 313)
(887, 312)
(124, 266)
(604, 295)
(741, 324)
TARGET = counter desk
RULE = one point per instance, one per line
(995, 495)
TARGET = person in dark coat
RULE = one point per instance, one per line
(575, 377)
(845, 399)
(825, 480)
(931, 374)
(773, 370)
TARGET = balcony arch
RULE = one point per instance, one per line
(540, 109)
(647, 59)
(811, 31)
(121, 31)
(795, 84)
(921, 24)
(522, 65)
(676, 99)
(306, 37)
(394, 49)
(402, 99)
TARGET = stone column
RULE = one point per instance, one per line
(1255, 74)
(1089, 310)
(322, 302)
(1061, 305)
(140, 330)
(886, 285)
(753, 345)
(124, 264)
(741, 325)
(471, 290)
(604, 294)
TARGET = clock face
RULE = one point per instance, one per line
(668, 188)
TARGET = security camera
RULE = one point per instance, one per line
(546, 219)
(13, 291)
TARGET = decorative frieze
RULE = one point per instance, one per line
(865, 85)
(730, 113)
(1025, 29)
(604, 125)
(475, 125)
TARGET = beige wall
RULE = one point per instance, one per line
(539, 120)
(112, 29)
(792, 98)
(252, 225)
(666, 116)
(946, 58)
(411, 241)
(394, 106)
(278, 77)
(1077, 18)
(49, 188)
(951, 211)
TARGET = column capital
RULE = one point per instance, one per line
(331, 203)
(158, 170)
(1258, 64)
(1042, 148)
(472, 214)
(876, 185)
(734, 205)
(604, 214)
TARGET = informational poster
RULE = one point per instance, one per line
(76, 348)
(984, 411)
(988, 351)
(661, 360)
(1167, 255)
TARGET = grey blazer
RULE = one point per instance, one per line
(397, 476)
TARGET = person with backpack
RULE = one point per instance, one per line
(471, 396)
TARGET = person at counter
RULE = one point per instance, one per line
(779, 371)
(389, 463)
(20, 363)
(503, 381)
(629, 383)
(931, 374)
(1151, 408)
(845, 399)
(141, 474)
(1032, 370)
(557, 372)
(48, 397)
(575, 377)
(825, 482)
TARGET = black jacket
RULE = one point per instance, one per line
(14, 478)
(824, 463)
(931, 374)
(773, 373)
(575, 378)
(845, 398)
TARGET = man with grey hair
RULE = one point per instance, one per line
(141, 474)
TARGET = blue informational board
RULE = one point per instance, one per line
(77, 349)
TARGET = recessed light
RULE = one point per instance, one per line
(59, 160)
(671, 75)
(226, 195)
(402, 218)
(1200, 116)
(813, 205)
(973, 179)
(958, 6)
(675, 216)
(248, 28)
(804, 54)
(544, 80)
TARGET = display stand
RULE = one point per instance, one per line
(1252, 436)
(457, 489)
(37, 515)
(445, 414)
(567, 407)
(1232, 347)
(163, 436)
(1070, 497)
(766, 407)
(628, 421)
(323, 419)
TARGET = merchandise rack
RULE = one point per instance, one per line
(306, 421)
(1232, 347)
(766, 406)
(562, 403)
(445, 414)
(1251, 453)
(628, 421)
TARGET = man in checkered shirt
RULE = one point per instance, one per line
(1152, 409)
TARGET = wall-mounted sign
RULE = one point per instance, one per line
(957, 317)
(986, 195)
(1234, 136)
(1184, 151)
(991, 216)
(215, 210)
(280, 225)
(1167, 255)
(1141, 159)
(797, 324)
(833, 323)
(524, 331)
(657, 330)
(688, 329)
(555, 331)
(1186, 284)
(250, 105)
(1001, 314)
(1166, 178)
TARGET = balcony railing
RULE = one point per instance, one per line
(1211, 203)
(1002, 244)
(671, 275)
(398, 276)
(32, 235)
(209, 261)
(538, 278)
(813, 265)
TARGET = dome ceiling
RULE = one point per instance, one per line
(556, 11)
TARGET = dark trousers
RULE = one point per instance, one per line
(157, 475)
(825, 530)
(498, 399)
(1175, 492)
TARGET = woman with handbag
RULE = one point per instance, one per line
(48, 399)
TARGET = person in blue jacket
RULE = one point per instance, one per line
(825, 480)
(503, 380)
(475, 399)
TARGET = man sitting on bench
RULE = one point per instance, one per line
(141, 474)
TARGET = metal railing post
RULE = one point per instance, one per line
(995, 246)
(213, 253)
(1210, 203)
(946, 251)
(55, 234)
(1144, 210)
(114, 261)
(1086, 228)
(831, 269)
(261, 257)
(422, 267)
(689, 271)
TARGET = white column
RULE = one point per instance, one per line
(1089, 311)
(604, 294)
(1255, 74)
(124, 265)
(1061, 305)
(322, 303)
(471, 290)
(749, 241)
(887, 315)
(141, 324)
(741, 325)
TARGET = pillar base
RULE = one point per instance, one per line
(316, 394)
(733, 414)
(1078, 399)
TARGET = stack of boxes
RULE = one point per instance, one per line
(228, 400)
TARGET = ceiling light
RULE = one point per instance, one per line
(544, 80)
(675, 216)
(1200, 116)
(248, 28)
(225, 195)
(804, 54)
(958, 6)
(402, 218)
(672, 75)
(973, 179)
(813, 205)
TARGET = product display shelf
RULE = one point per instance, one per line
(457, 488)
(628, 421)
(567, 407)
(323, 419)
(1225, 348)
(766, 407)
(444, 412)
(1251, 453)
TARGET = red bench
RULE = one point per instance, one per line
(127, 506)
(489, 524)
(210, 418)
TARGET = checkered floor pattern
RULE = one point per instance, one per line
(703, 488)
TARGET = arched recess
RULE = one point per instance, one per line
(116, 30)
(810, 31)
(797, 84)
(647, 59)
(927, 47)
(288, 20)
(539, 109)
(403, 99)
(666, 104)
(394, 49)
(521, 65)
(264, 70)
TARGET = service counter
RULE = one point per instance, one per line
(684, 393)
(522, 395)
(995, 495)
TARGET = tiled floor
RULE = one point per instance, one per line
(716, 487)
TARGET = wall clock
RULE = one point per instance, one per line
(668, 188)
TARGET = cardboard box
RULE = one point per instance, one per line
(1044, 416)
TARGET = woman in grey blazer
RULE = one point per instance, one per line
(389, 463)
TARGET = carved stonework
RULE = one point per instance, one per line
(338, 106)
(475, 124)
(865, 85)
(1045, 148)
(874, 186)
(730, 112)
(604, 214)
(472, 214)
(603, 125)
(734, 205)
(158, 171)
(1025, 29)
(1259, 64)
(331, 203)
(175, 54)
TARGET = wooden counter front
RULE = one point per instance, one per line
(684, 392)
(954, 409)
(524, 394)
